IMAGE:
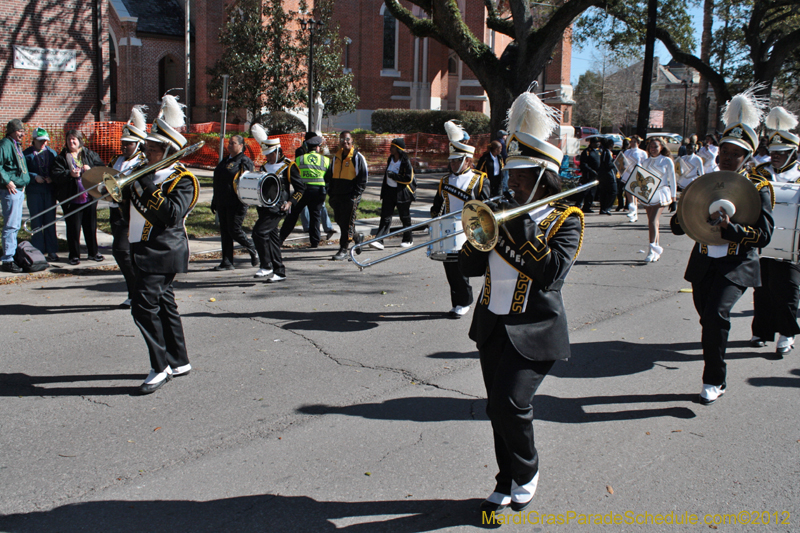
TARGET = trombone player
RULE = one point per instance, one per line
(158, 204)
(520, 324)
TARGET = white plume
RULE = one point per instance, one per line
(138, 118)
(454, 131)
(259, 133)
(530, 115)
(746, 108)
(781, 119)
(172, 111)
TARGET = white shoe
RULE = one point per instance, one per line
(710, 393)
(655, 253)
(180, 371)
(406, 244)
(633, 213)
(522, 496)
(459, 311)
(785, 344)
(263, 273)
(276, 278)
(378, 245)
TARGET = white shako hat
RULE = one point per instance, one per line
(165, 128)
(781, 120)
(135, 130)
(457, 136)
(741, 116)
(260, 135)
(530, 123)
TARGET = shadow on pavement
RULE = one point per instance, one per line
(334, 321)
(249, 514)
(776, 381)
(24, 385)
(23, 309)
(548, 408)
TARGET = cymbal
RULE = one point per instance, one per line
(93, 176)
(708, 188)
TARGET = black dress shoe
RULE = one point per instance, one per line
(224, 266)
(147, 388)
(254, 262)
(341, 255)
(11, 266)
(491, 507)
(97, 258)
(74, 261)
(52, 258)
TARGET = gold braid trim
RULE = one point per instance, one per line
(562, 218)
(761, 182)
(195, 183)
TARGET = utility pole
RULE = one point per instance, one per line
(647, 75)
(310, 24)
(187, 94)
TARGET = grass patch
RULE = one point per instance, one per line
(202, 222)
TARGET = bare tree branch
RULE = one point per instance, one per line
(495, 22)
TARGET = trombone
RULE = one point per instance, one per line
(479, 222)
(112, 186)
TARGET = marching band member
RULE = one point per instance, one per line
(266, 234)
(158, 204)
(659, 161)
(720, 274)
(133, 137)
(520, 324)
(633, 156)
(775, 302)
(709, 153)
(460, 186)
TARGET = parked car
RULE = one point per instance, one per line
(586, 131)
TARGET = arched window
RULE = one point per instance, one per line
(168, 75)
(390, 37)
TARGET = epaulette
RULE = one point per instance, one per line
(760, 182)
(761, 170)
(179, 173)
(556, 219)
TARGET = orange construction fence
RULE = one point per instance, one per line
(427, 151)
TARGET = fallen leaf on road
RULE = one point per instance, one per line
(677, 430)
(130, 441)
(159, 427)
(609, 489)
(685, 290)
(212, 299)
(367, 473)
(646, 432)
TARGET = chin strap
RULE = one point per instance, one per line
(789, 162)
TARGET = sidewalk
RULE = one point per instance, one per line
(420, 211)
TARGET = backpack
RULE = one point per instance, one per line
(29, 258)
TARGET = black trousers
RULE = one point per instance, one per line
(231, 219)
(156, 314)
(121, 248)
(775, 302)
(714, 298)
(387, 211)
(344, 213)
(496, 185)
(607, 192)
(621, 195)
(314, 199)
(267, 240)
(86, 220)
(511, 382)
(585, 199)
(460, 289)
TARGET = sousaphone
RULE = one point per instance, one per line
(707, 194)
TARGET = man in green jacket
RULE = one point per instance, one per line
(14, 176)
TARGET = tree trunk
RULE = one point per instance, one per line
(647, 74)
(500, 100)
(701, 116)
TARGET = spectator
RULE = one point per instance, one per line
(71, 163)
(491, 163)
(590, 168)
(39, 157)
(607, 174)
(398, 190)
(227, 205)
(14, 173)
(346, 180)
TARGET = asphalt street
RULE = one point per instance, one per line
(347, 400)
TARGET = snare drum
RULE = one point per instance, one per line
(446, 249)
(260, 189)
(784, 243)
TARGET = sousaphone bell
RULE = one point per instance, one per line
(729, 190)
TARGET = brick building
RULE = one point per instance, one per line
(54, 61)
(141, 53)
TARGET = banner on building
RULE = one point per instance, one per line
(32, 58)
(656, 120)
